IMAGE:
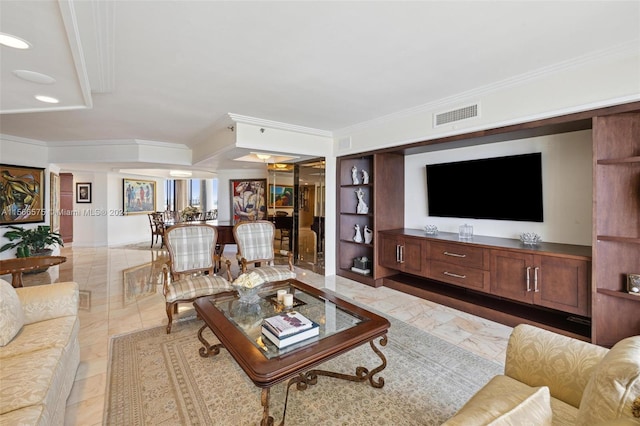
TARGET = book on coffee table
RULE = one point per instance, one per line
(287, 323)
(282, 342)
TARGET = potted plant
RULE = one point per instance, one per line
(31, 242)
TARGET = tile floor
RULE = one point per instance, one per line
(112, 305)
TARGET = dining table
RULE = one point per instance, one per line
(224, 227)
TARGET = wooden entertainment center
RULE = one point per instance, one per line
(579, 291)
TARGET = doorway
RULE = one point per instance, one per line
(309, 184)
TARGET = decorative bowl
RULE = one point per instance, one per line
(530, 238)
(247, 295)
(431, 230)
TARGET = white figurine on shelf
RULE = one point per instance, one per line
(368, 235)
(354, 175)
(358, 237)
(362, 207)
(365, 177)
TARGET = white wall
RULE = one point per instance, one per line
(567, 188)
(578, 85)
(101, 223)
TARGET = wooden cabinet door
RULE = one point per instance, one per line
(509, 275)
(563, 284)
(388, 251)
(414, 256)
(403, 254)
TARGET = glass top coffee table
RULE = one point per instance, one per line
(343, 326)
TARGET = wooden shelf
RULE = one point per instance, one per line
(364, 279)
(625, 160)
(358, 244)
(351, 185)
(618, 239)
(357, 214)
(620, 294)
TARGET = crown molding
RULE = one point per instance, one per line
(114, 142)
(627, 49)
(279, 125)
(18, 139)
(71, 26)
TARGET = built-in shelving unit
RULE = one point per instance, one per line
(616, 221)
(384, 196)
(616, 225)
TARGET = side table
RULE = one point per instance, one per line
(17, 266)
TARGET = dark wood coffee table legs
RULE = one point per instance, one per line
(207, 350)
(304, 380)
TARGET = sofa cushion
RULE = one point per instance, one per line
(31, 379)
(504, 401)
(614, 385)
(57, 332)
(11, 314)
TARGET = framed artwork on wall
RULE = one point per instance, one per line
(54, 202)
(280, 196)
(21, 194)
(83, 192)
(248, 199)
(139, 196)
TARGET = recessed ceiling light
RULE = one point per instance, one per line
(180, 173)
(34, 77)
(13, 41)
(47, 99)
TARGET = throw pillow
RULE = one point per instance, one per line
(500, 405)
(11, 315)
(614, 385)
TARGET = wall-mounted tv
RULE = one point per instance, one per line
(501, 188)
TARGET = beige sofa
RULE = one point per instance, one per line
(550, 379)
(39, 352)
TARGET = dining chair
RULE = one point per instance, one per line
(156, 222)
(255, 248)
(284, 225)
(190, 272)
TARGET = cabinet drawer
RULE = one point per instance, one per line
(458, 254)
(455, 274)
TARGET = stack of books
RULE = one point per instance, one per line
(288, 328)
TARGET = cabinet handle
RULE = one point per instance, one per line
(446, 253)
(528, 280)
(451, 274)
(397, 253)
(535, 279)
(401, 254)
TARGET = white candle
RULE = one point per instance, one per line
(281, 294)
(287, 300)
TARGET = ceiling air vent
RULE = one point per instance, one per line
(459, 114)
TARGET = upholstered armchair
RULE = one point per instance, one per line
(255, 249)
(551, 379)
(190, 272)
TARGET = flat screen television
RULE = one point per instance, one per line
(501, 188)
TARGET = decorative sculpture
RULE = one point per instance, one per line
(354, 175)
(368, 235)
(362, 207)
(365, 177)
(358, 237)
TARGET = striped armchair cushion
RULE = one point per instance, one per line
(193, 287)
(274, 273)
(192, 247)
(255, 239)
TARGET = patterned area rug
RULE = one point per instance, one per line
(155, 378)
